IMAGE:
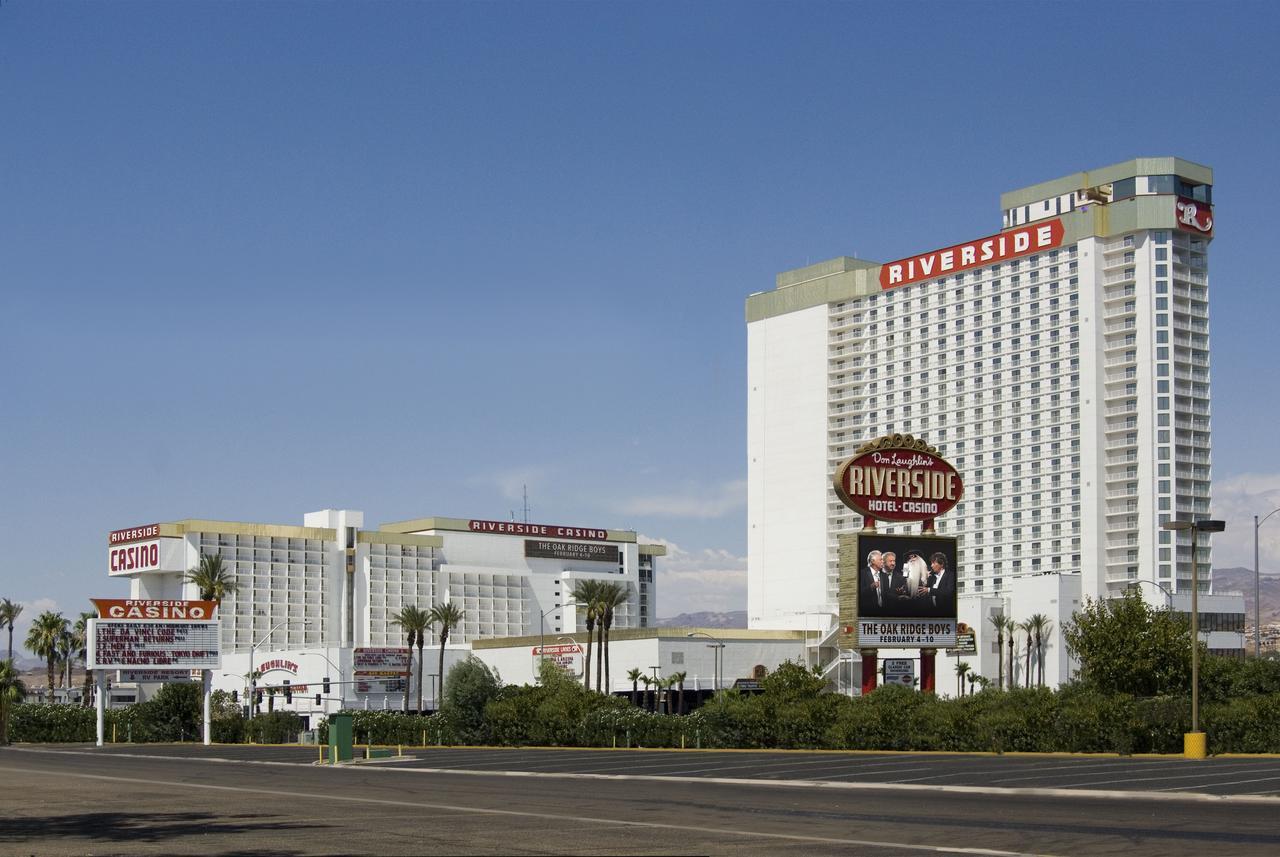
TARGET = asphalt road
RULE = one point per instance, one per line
(259, 800)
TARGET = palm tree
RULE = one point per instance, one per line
(82, 652)
(415, 621)
(66, 656)
(633, 675)
(1029, 629)
(999, 622)
(1041, 626)
(9, 613)
(612, 596)
(587, 593)
(679, 678)
(647, 681)
(973, 678)
(446, 617)
(11, 692)
(214, 580)
(42, 640)
(962, 669)
(1012, 627)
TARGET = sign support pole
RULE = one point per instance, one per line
(869, 666)
(100, 679)
(928, 671)
(206, 680)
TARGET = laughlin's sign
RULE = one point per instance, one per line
(972, 254)
(898, 478)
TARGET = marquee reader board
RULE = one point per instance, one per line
(905, 594)
(140, 634)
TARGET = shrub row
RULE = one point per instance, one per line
(789, 713)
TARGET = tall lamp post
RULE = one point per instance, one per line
(1257, 586)
(1193, 743)
(1162, 588)
(253, 679)
(542, 627)
(717, 648)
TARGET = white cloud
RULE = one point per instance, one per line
(694, 502)
(1236, 500)
(711, 579)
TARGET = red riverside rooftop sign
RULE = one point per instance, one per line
(513, 528)
(972, 254)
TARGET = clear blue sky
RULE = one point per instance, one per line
(260, 259)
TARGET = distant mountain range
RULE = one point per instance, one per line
(1241, 580)
(732, 619)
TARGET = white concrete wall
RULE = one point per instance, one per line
(787, 474)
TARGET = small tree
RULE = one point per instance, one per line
(445, 617)
(962, 670)
(42, 640)
(11, 692)
(634, 675)
(212, 578)
(1125, 646)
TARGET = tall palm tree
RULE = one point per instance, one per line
(633, 676)
(415, 621)
(647, 681)
(999, 622)
(66, 656)
(214, 580)
(1029, 629)
(1040, 626)
(1012, 627)
(11, 692)
(82, 652)
(587, 594)
(446, 617)
(612, 596)
(962, 669)
(9, 613)
(679, 678)
(42, 640)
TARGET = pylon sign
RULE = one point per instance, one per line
(898, 478)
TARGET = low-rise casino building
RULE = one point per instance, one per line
(311, 600)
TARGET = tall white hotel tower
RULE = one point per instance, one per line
(1062, 366)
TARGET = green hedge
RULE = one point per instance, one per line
(791, 712)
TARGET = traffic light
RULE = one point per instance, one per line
(235, 697)
(317, 699)
(326, 685)
(288, 692)
(257, 698)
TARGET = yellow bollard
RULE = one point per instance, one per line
(113, 732)
(320, 753)
(424, 737)
(681, 740)
(1194, 745)
(399, 749)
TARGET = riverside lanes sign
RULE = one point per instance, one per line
(898, 478)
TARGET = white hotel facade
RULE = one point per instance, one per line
(331, 586)
(1068, 384)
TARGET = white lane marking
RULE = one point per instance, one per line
(1108, 794)
(581, 819)
(1232, 783)
(812, 782)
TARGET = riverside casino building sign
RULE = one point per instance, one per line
(897, 590)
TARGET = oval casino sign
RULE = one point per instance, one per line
(898, 478)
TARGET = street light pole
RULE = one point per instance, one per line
(253, 679)
(1257, 586)
(1194, 744)
(542, 627)
(717, 652)
(1162, 588)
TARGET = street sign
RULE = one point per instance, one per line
(900, 671)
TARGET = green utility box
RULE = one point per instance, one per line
(340, 735)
